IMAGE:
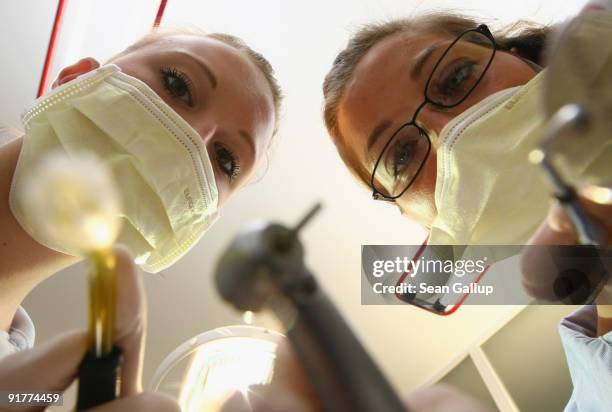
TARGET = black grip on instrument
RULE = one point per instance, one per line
(98, 379)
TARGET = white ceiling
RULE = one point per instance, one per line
(301, 40)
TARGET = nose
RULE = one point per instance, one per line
(207, 132)
(434, 121)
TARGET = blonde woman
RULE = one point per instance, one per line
(182, 118)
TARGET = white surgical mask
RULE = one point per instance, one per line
(487, 192)
(164, 175)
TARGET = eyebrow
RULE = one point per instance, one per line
(421, 59)
(205, 68)
(250, 141)
(415, 72)
(376, 133)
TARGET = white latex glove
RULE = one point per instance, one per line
(53, 365)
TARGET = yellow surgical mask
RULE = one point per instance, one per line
(487, 192)
(165, 177)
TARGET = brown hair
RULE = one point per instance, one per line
(256, 58)
(527, 39)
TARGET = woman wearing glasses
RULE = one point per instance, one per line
(437, 115)
(395, 87)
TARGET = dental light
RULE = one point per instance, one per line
(203, 372)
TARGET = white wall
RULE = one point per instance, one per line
(24, 35)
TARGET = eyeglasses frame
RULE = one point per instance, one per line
(482, 29)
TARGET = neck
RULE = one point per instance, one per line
(24, 263)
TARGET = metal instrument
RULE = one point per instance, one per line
(263, 268)
(568, 122)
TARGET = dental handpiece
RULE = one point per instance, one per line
(578, 272)
(571, 119)
(263, 268)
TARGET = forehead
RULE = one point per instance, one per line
(381, 87)
(241, 82)
(221, 54)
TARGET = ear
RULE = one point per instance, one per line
(73, 71)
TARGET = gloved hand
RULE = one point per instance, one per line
(586, 340)
(53, 365)
(558, 229)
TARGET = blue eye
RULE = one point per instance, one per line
(178, 85)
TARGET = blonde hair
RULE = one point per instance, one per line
(525, 38)
(256, 58)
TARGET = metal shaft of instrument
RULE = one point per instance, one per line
(588, 232)
(307, 218)
(569, 121)
(102, 298)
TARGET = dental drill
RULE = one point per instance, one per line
(263, 268)
(569, 121)
(581, 272)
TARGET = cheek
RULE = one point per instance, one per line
(419, 201)
(223, 187)
(147, 73)
(506, 71)
(134, 67)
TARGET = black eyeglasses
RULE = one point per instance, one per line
(456, 74)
